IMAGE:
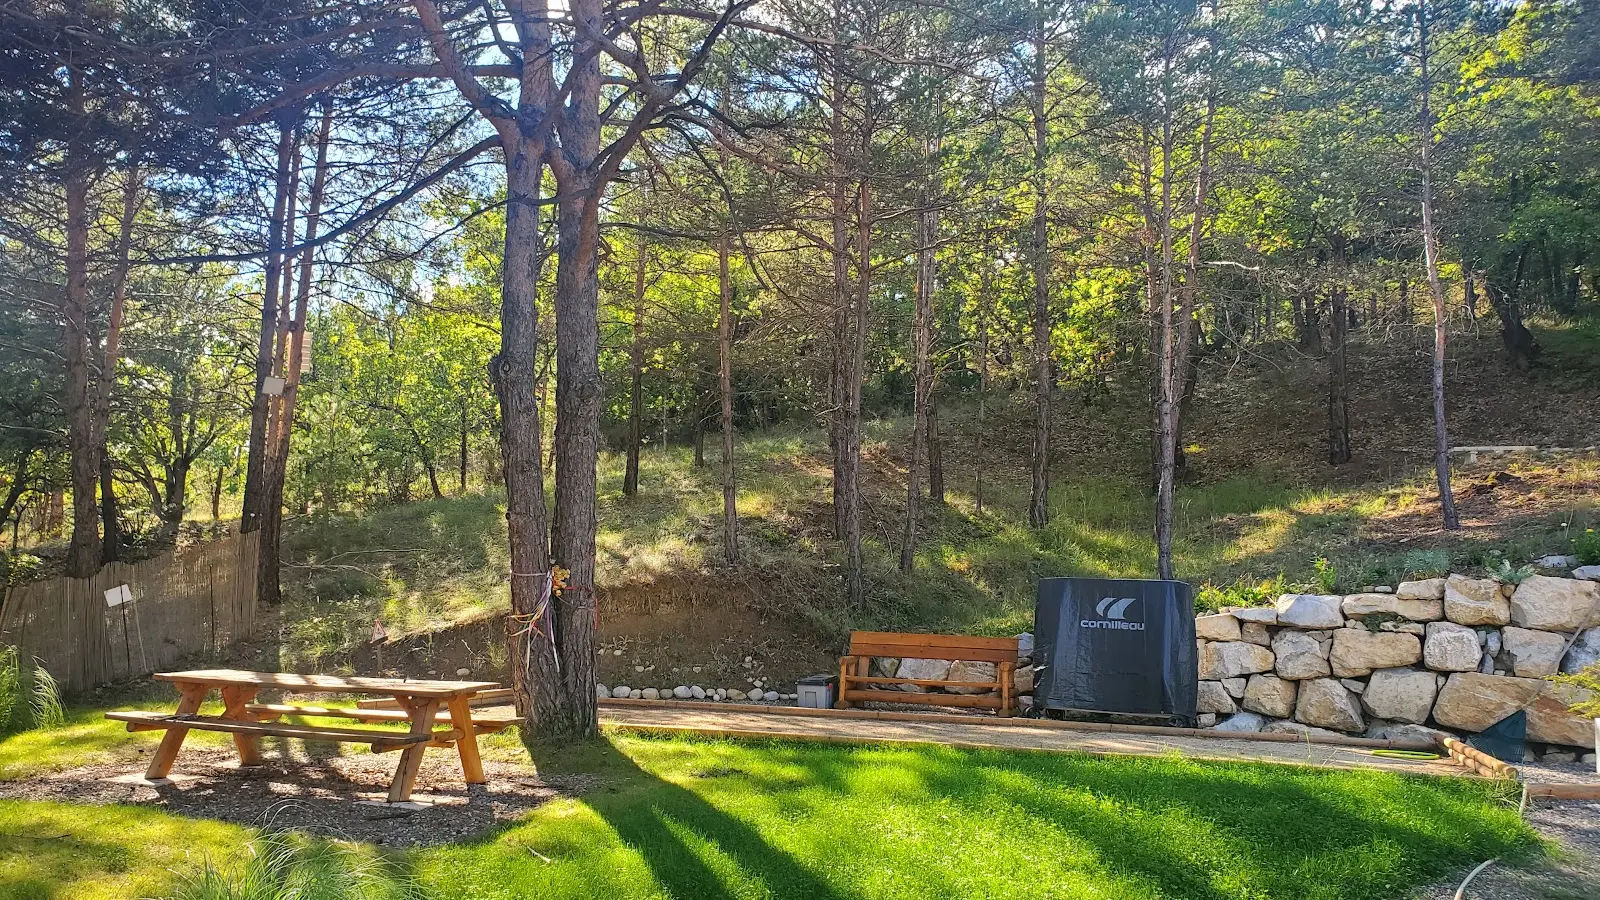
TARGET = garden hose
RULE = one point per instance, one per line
(1407, 754)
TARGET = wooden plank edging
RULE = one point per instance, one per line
(947, 718)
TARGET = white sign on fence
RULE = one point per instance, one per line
(119, 595)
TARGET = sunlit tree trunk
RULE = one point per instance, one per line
(1430, 253)
(730, 492)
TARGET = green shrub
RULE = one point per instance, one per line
(1505, 573)
(1214, 597)
(28, 697)
(284, 865)
(44, 699)
(1589, 679)
(10, 687)
(1425, 563)
(1586, 547)
(1327, 575)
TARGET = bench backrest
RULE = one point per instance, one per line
(933, 646)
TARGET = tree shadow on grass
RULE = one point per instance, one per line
(695, 850)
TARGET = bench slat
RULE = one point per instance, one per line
(328, 683)
(984, 701)
(913, 651)
(934, 640)
(925, 682)
(153, 720)
(485, 722)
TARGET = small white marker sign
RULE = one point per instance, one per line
(119, 595)
(272, 385)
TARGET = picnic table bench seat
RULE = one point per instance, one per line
(856, 683)
(139, 720)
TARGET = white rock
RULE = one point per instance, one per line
(1299, 655)
(1491, 641)
(1245, 722)
(770, 696)
(1230, 659)
(720, 694)
(1255, 633)
(1205, 720)
(1558, 756)
(1025, 644)
(1325, 703)
(925, 669)
(1234, 686)
(601, 692)
(1220, 627)
(620, 691)
(1359, 651)
(886, 666)
(1555, 604)
(1400, 731)
(1585, 652)
(697, 692)
(1475, 601)
(1285, 726)
(1270, 696)
(1533, 654)
(682, 692)
(636, 694)
(651, 694)
(1022, 679)
(1310, 611)
(1261, 615)
(1354, 685)
(1356, 606)
(735, 694)
(1401, 695)
(1471, 701)
(1450, 648)
(1415, 628)
(1213, 699)
(1556, 562)
(1426, 589)
(463, 672)
(965, 670)
(1588, 573)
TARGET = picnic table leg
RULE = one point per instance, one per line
(235, 698)
(190, 697)
(467, 741)
(845, 664)
(405, 776)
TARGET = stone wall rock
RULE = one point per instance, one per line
(1255, 633)
(1426, 589)
(1555, 604)
(1326, 703)
(1475, 601)
(1533, 654)
(1310, 611)
(1234, 686)
(966, 670)
(1221, 627)
(1299, 656)
(1270, 696)
(1230, 659)
(1585, 652)
(1213, 699)
(1401, 695)
(1245, 722)
(1451, 648)
(924, 669)
(1260, 615)
(1357, 651)
(1550, 720)
(1357, 606)
(1471, 701)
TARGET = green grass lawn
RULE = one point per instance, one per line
(699, 820)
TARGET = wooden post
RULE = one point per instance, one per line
(1007, 687)
(235, 698)
(467, 738)
(422, 712)
(844, 682)
(191, 696)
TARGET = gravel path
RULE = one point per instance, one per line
(317, 795)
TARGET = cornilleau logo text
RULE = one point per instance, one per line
(1111, 611)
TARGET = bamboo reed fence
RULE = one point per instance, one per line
(199, 599)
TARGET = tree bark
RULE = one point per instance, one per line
(730, 492)
(1430, 250)
(984, 286)
(255, 462)
(84, 549)
(922, 370)
(1338, 383)
(1039, 490)
(630, 478)
(110, 522)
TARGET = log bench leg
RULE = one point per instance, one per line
(467, 743)
(405, 776)
(845, 664)
(190, 697)
(1008, 686)
(235, 699)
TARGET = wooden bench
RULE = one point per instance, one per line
(854, 669)
(420, 704)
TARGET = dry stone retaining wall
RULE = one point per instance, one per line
(1454, 653)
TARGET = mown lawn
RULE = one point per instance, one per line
(695, 819)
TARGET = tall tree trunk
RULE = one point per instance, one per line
(84, 549)
(984, 286)
(935, 448)
(839, 221)
(630, 478)
(1338, 383)
(1430, 252)
(514, 373)
(216, 494)
(275, 470)
(1039, 491)
(255, 462)
(110, 523)
(461, 452)
(1469, 292)
(730, 492)
(922, 370)
(850, 492)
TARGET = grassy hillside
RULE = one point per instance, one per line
(1257, 515)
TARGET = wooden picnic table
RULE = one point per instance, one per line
(422, 704)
